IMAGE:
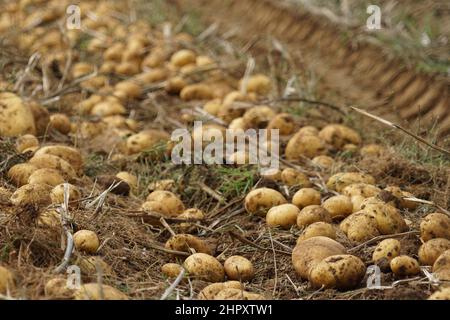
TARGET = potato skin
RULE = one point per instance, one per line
(442, 262)
(338, 271)
(260, 200)
(339, 207)
(311, 214)
(56, 288)
(173, 206)
(432, 249)
(210, 291)
(292, 177)
(171, 270)
(441, 294)
(361, 189)
(310, 252)
(15, 116)
(360, 227)
(403, 266)
(57, 194)
(205, 267)
(318, 229)
(86, 241)
(284, 215)
(341, 180)
(304, 145)
(69, 154)
(239, 268)
(385, 251)
(19, 173)
(184, 242)
(339, 135)
(435, 225)
(46, 176)
(306, 197)
(32, 194)
(388, 218)
(48, 161)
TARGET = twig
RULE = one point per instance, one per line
(65, 217)
(274, 264)
(166, 225)
(251, 243)
(431, 203)
(173, 285)
(211, 192)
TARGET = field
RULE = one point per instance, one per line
(89, 184)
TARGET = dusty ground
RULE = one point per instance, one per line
(132, 244)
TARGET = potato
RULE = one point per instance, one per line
(403, 266)
(108, 107)
(93, 265)
(48, 161)
(385, 251)
(324, 162)
(258, 117)
(210, 291)
(400, 195)
(207, 133)
(441, 267)
(341, 180)
(372, 150)
(185, 242)
(204, 267)
(239, 268)
(96, 291)
(5, 195)
(435, 225)
(49, 219)
(441, 294)
(237, 294)
(86, 241)
(202, 61)
(26, 142)
(32, 194)
(213, 106)
(164, 184)
(310, 214)
(270, 174)
(432, 249)
(192, 213)
(171, 270)
(127, 89)
(308, 131)
(41, 117)
(306, 197)
(145, 140)
(260, 200)
(155, 207)
(81, 69)
(19, 173)
(310, 252)
(128, 68)
(341, 271)
(292, 177)
(317, 229)
(94, 83)
(361, 189)
(284, 215)
(198, 91)
(284, 122)
(129, 178)
(360, 227)
(357, 202)
(338, 206)
(174, 85)
(69, 154)
(15, 116)
(339, 135)
(388, 218)
(47, 176)
(56, 288)
(182, 58)
(259, 84)
(60, 122)
(172, 204)
(308, 146)
(6, 280)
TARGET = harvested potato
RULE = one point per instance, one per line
(360, 227)
(41, 117)
(56, 288)
(372, 150)
(127, 89)
(442, 265)
(93, 265)
(357, 202)
(60, 122)
(5, 195)
(237, 294)
(47, 176)
(204, 267)
(213, 107)
(171, 270)
(401, 195)
(120, 187)
(110, 106)
(96, 291)
(32, 194)
(339, 135)
(361, 189)
(258, 117)
(239, 268)
(284, 215)
(145, 140)
(207, 133)
(323, 161)
(339, 207)
(172, 205)
(441, 294)
(317, 229)
(6, 280)
(20, 173)
(198, 91)
(182, 58)
(86, 241)
(155, 207)
(49, 219)
(341, 180)
(48, 161)
(388, 218)
(71, 155)
(174, 85)
(292, 177)
(403, 266)
(164, 184)
(26, 142)
(260, 200)
(432, 249)
(57, 194)
(385, 251)
(310, 252)
(310, 214)
(435, 225)
(284, 122)
(15, 116)
(210, 291)
(271, 174)
(308, 146)
(341, 271)
(188, 214)
(129, 178)
(259, 84)
(306, 197)
(186, 242)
